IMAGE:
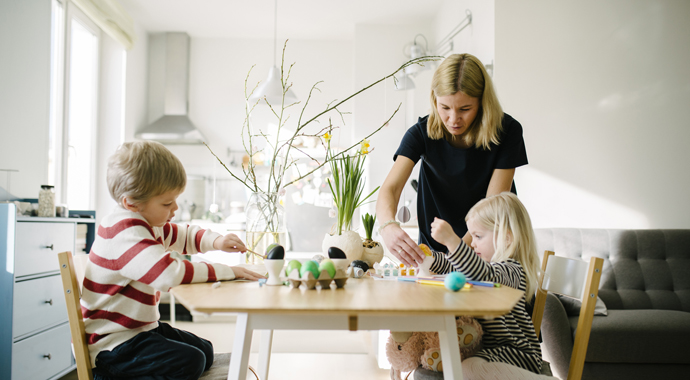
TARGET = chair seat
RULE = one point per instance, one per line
(219, 369)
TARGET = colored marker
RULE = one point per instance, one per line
(431, 282)
(488, 284)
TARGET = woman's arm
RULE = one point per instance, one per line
(397, 241)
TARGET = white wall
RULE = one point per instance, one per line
(25, 94)
(602, 91)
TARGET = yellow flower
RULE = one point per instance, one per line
(364, 146)
(327, 137)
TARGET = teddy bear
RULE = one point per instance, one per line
(408, 350)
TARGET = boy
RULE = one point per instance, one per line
(129, 265)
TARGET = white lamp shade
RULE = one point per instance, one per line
(272, 90)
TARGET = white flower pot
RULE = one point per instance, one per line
(373, 255)
(349, 242)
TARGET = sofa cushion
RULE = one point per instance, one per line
(639, 336)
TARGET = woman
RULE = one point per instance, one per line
(469, 150)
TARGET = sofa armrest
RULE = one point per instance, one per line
(557, 336)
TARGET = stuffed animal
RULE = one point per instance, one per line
(408, 350)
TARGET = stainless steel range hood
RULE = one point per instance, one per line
(168, 91)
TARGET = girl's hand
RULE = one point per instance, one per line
(401, 246)
(443, 233)
(242, 273)
(229, 243)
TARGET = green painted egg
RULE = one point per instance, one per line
(328, 266)
(292, 265)
(310, 266)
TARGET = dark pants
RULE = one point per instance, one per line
(162, 353)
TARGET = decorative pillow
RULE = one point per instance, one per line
(572, 306)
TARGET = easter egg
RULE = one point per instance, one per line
(454, 281)
(275, 252)
(328, 266)
(336, 253)
(360, 264)
(309, 266)
(292, 265)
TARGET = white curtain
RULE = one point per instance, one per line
(111, 17)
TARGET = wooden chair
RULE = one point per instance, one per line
(574, 278)
(71, 280)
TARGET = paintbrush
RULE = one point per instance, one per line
(257, 254)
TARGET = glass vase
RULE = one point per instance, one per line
(265, 224)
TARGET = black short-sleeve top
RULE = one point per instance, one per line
(452, 180)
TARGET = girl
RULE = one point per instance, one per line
(468, 148)
(503, 250)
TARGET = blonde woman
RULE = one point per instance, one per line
(504, 251)
(468, 148)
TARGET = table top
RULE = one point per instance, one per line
(358, 296)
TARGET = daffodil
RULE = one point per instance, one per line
(364, 146)
(327, 137)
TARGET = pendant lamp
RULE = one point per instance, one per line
(272, 88)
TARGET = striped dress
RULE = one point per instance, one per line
(510, 338)
(129, 265)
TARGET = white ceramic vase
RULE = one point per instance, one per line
(349, 242)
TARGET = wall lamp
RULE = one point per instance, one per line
(415, 49)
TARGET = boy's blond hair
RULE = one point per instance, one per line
(514, 238)
(466, 73)
(142, 170)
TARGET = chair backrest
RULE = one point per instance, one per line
(574, 278)
(72, 289)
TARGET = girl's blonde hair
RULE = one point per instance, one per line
(142, 170)
(513, 235)
(466, 73)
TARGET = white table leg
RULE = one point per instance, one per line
(265, 353)
(450, 351)
(239, 360)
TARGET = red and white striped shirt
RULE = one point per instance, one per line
(129, 265)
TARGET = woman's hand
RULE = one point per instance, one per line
(401, 246)
(443, 233)
(229, 243)
(242, 273)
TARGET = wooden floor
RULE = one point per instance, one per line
(302, 355)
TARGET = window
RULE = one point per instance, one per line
(74, 106)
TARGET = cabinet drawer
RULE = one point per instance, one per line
(38, 303)
(32, 254)
(30, 356)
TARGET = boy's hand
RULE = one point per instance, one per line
(242, 273)
(443, 233)
(229, 243)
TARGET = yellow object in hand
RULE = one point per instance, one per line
(425, 249)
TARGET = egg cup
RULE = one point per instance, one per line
(274, 267)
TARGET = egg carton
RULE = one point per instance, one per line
(325, 279)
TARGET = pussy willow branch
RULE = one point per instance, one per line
(346, 150)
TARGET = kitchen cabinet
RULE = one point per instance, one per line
(35, 340)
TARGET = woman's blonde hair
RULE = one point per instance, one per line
(142, 170)
(466, 73)
(513, 235)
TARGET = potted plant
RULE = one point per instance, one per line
(347, 186)
(373, 251)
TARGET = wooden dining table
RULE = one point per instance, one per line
(362, 304)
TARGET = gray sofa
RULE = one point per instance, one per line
(645, 285)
